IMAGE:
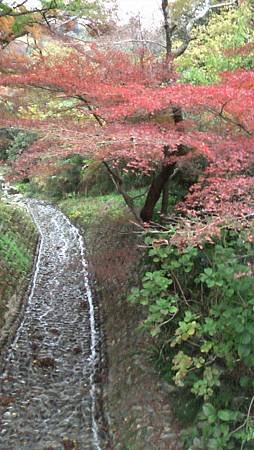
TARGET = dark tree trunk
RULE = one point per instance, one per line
(155, 191)
(177, 114)
(165, 197)
(162, 180)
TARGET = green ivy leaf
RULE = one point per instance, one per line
(209, 410)
(226, 415)
(243, 350)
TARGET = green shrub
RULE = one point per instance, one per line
(14, 141)
(21, 141)
(199, 304)
(207, 54)
(78, 175)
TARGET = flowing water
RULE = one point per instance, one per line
(47, 387)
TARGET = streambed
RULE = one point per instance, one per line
(48, 394)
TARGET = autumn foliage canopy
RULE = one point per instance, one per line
(129, 105)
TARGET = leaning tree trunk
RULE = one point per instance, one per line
(161, 182)
(155, 191)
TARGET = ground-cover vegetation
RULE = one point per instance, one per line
(198, 298)
(92, 209)
(17, 245)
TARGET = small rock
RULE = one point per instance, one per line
(167, 436)
(46, 362)
(77, 350)
(11, 190)
(54, 331)
(34, 346)
(5, 400)
(69, 444)
(83, 305)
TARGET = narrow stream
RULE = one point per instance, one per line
(48, 388)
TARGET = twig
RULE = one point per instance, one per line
(180, 287)
(140, 195)
(228, 119)
(246, 420)
(169, 320)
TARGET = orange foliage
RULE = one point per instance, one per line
(6, 24)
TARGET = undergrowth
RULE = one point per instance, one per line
(91, 209)
(199, 303)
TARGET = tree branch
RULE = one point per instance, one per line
(118, 182)
(148, 41)
(180, 50)
(98, 118)
(222, 5)
(228, 119)
(20, 4)
(27, 12)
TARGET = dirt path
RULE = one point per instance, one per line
(47, 388)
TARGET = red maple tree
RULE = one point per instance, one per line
(143, 119)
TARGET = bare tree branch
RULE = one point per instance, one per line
(225, 4)
(146, 41)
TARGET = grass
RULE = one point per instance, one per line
(87, 210)
(14, 252)
(17, 241)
